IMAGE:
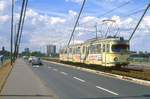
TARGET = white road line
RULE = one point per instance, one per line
(64, 73)
(55, 69)
(107, 90)
(79, 79)
(36, 66)
(49, 67)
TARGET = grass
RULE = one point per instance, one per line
(145, 74)
(4, 72)
(139, 74)
(141, 63)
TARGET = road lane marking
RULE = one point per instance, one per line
(49, 67)
(64, 73)
(106, 90)
(79, 79)
(36, 66)
(55, 69)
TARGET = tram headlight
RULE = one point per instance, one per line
(116, 59)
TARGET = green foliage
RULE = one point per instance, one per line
(37, 54)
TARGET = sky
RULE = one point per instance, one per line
(52, 21)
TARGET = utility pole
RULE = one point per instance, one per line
(139, 21)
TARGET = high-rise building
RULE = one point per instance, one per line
(26, 50)
(51, 50)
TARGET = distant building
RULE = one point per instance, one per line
(26, 50)
(2, 52)
(51, 50)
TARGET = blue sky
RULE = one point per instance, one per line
(97, 7)
(51, 21)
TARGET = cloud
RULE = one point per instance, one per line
(72, 13)
(57, 20)
(146, 20)
(4, 5)
(4, 18)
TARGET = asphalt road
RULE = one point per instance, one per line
(68, 83)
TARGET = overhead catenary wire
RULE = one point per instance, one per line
(128, 15)
(76, 22)
(135, 12)
(118, 7)
(131, 14)
(18, 29)
(139, 21)
(110, 11)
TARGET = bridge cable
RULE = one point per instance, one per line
(18, 31)
(76, 22)
(12, 26)
(24, 14)
(139, 21)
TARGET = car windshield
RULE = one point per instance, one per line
(120, 47)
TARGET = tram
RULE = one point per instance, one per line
(109, 52)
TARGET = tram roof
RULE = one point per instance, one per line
(101, 39)
(106, 39)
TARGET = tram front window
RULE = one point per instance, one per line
(120, 47)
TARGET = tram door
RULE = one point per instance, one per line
(106, 50)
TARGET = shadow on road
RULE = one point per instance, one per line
(26, 95)
(121, 97)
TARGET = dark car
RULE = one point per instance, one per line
(36, 61)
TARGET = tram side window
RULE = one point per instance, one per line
(90, 49)
(65, 52)
(98, 48)
(93, 49)
(73, 50)
(78, 50)
(87, 50)
(61, 51)
(103, 47)
(107, 47)
(83, 49)
(70, 50)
